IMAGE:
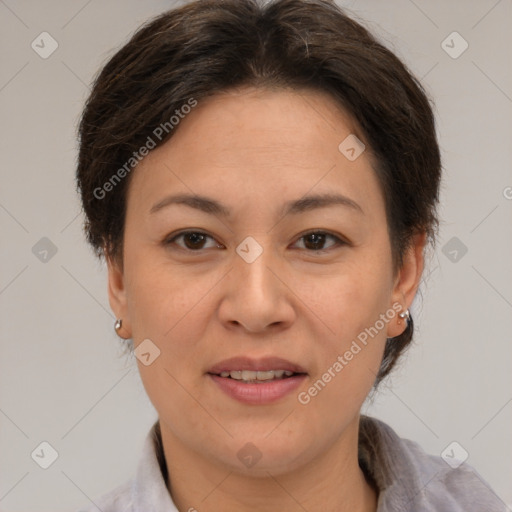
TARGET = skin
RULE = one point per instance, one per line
(253, 150)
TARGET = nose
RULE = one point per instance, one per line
(256, 298)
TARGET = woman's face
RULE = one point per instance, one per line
(252, 282)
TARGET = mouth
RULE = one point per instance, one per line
(257, 382)
(257, 377)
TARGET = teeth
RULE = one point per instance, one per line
(252, 376)
(270, 374)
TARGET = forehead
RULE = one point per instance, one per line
(251, 120)
(253, 143)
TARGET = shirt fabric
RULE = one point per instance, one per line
(407, 479)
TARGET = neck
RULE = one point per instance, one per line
(332, 482)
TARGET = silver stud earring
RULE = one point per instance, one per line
(118, 325)
(405, 315)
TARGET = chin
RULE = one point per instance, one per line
(260, 455)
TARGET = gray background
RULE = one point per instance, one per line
(62, 377)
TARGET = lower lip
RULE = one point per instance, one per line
(258, 394)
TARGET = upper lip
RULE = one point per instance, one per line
(263, 364)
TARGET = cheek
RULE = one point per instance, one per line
(171, 306)
(351, 297)
(159, 295)
(351, 304)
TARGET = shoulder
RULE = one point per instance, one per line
(453, 489)
(118, 499)
(410, 479)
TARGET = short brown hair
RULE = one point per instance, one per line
(209, 46)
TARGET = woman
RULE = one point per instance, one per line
(262, 182)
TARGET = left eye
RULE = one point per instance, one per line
(317, 238)
(194, 241)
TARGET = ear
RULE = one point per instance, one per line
(117, 295)
(407, 282)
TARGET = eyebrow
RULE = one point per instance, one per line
(213, 207)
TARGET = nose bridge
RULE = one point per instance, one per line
(254, 258)
(255, 299)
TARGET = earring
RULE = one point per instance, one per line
(405, 314)
(118, 325)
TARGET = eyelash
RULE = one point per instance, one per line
(338, 240)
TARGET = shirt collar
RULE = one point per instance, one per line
(150, 489)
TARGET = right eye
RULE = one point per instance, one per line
(193, 241)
